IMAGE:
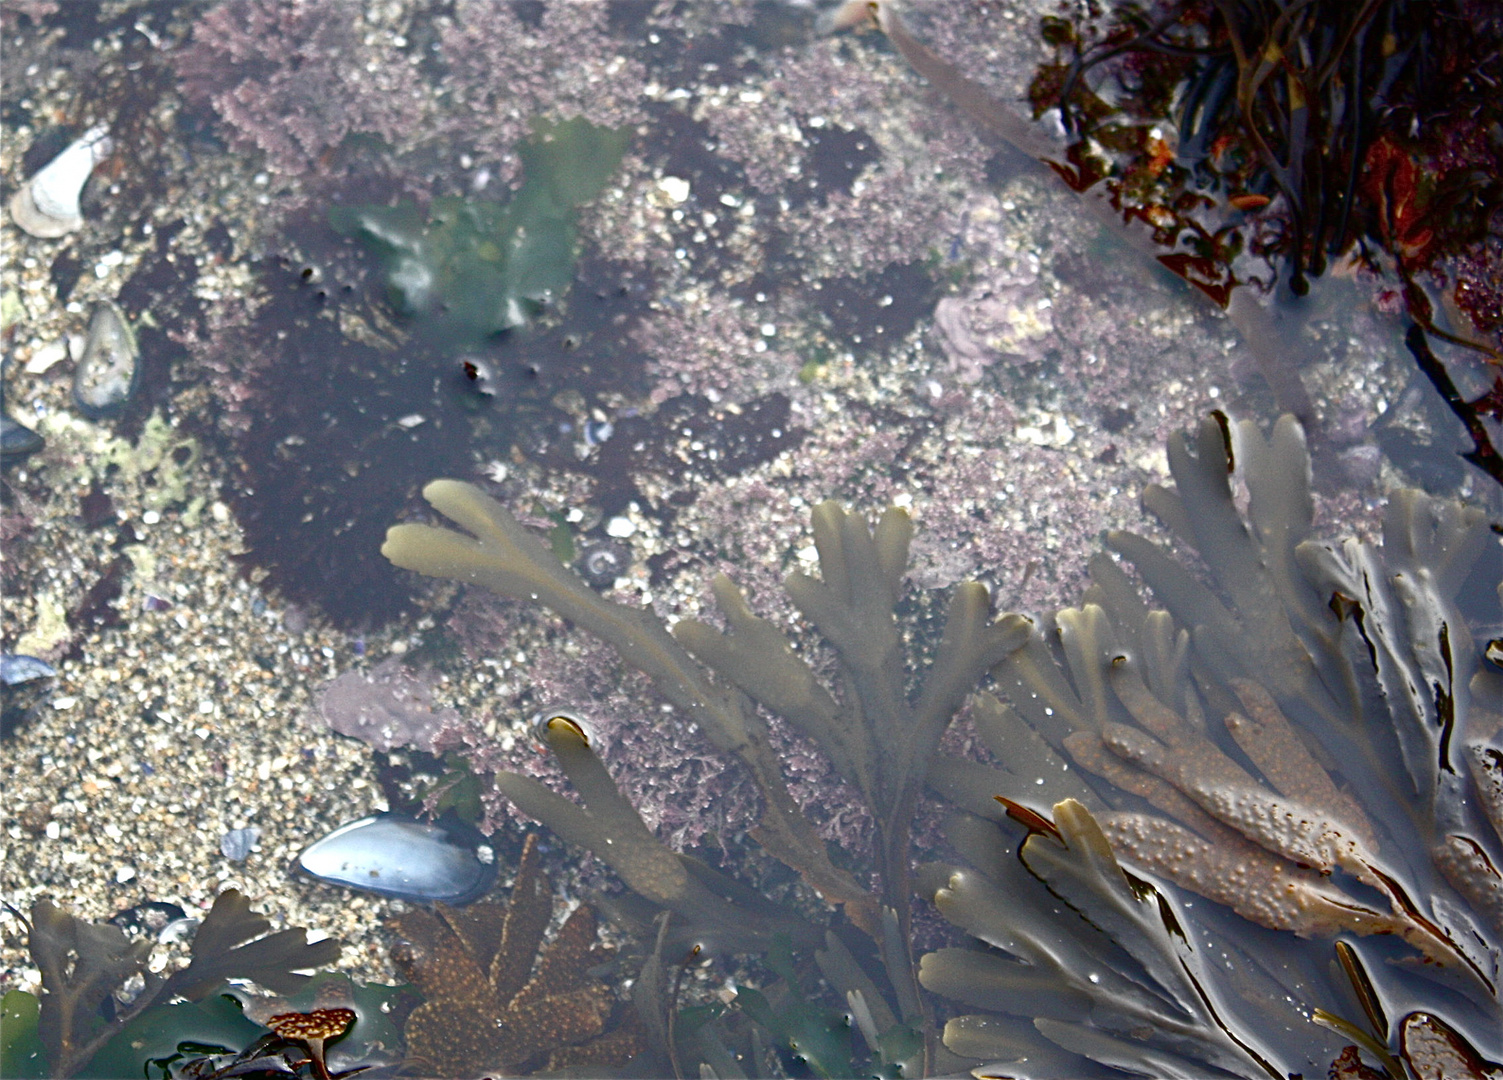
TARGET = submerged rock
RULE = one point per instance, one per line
(46, 206)
(110, 368)
(400, 856)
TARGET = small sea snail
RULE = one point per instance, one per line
(602, 563)
(555, 723)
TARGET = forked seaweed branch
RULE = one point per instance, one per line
(878, 735)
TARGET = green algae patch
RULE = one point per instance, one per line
(12, 311)
(167, 455)
(168, 1033)
(472, 268)
(48, 632)
(21, 1053)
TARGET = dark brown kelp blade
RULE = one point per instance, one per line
(1308, 737)
(230, 945)
(1113, 979)
(83, 963)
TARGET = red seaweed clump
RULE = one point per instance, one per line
(1261, 146)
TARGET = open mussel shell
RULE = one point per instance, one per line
(399, 856)
(46, 206)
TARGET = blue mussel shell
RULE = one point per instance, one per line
(397, 855)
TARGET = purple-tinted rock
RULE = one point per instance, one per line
(387, 708)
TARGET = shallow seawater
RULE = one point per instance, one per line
(818, 468)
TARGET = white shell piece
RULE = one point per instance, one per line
(46, 206)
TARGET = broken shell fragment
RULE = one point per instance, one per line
(237, 844)
(396, 855)
(46, 206)
(109, 369)
(16, 669)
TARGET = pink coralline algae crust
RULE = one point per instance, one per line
(293, 78)
(995, 44)
(1478, 290)
(903, 205)
(895, 218)
(686, 791)
(682, 788)
(710, 349)
(230, 370)
(504, 72)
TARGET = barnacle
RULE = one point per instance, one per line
(498, 999)
(1307, 737)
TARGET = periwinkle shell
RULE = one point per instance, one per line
(601, 563)
(109, 369)
(397, 855)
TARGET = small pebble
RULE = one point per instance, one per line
(675, 188)
(46, 356)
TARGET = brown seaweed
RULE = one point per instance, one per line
(713, 908)
(1115, 979)
(1307, 736)
(1366, 132)
(507, 559)
(879, 737)
(497, 997)
(83, 964)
